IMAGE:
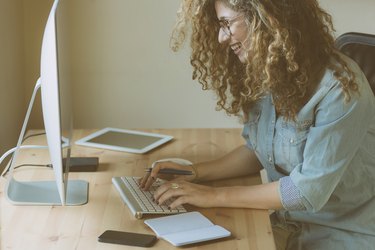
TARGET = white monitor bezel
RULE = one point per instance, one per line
(85, 141)
(50, 95)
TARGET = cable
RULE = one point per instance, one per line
(14, 149)
(33, 135)
(34, 165)
(29, 165)
(24, 146)
(65, 144)
(21, 147)
(10, 151)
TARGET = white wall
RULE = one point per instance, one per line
(349, 15)
(35, 14)
(125, 74)
(11, 72)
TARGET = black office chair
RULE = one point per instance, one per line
(361, 48)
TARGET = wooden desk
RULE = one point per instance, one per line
(65, 228)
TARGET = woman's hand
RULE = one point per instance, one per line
(147, 180)
(185, 192)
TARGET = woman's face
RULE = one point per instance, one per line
(233, 31)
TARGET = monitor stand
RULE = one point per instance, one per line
(46, 193)
(41, 192)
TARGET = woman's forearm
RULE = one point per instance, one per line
(264, 196)
(239, 162)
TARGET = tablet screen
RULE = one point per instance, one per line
(124, 140)
(121, 139)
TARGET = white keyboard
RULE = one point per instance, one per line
(141, 202)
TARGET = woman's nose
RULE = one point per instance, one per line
(223, 37)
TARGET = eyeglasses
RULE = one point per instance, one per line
(226, 23)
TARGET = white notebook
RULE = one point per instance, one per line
(186, 228)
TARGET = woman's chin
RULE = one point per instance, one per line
(242, 57)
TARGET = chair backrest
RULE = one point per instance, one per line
(361, 48)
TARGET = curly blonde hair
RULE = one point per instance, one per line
(291, 44)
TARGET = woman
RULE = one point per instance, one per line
(308, 114)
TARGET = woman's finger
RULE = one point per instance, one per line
(147, 181)
(168, 191)
(142, 181)
(180, 200)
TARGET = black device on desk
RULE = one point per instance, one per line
(127, 238)
(83, 164)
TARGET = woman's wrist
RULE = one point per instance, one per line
(195, 172)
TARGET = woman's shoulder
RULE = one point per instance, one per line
(330, 95)
(329, 80)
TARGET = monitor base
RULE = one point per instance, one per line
(46, 193)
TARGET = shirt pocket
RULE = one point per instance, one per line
(293, 140)
(250, 132)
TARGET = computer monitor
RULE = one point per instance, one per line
(57, 115)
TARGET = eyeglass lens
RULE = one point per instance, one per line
(225, 26)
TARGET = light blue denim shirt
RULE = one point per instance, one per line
(325, 162)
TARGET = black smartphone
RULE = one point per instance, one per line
(127, 238)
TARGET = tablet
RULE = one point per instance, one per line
(124, 140)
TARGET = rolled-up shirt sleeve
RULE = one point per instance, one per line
(340, 127)
(291, 199)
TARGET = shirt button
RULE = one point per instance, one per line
(270, 159)
(291, 140)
